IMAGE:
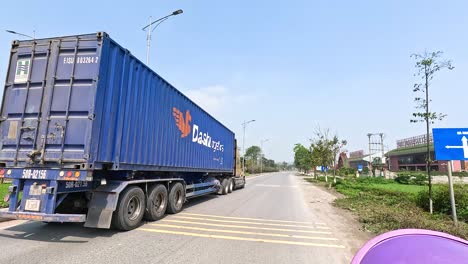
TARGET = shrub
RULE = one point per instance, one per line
(419, 179)
(365, 170)
(411, 178)
(403, 179)
(460, 173)
(441, 200)
(370, 180)
(347, 171)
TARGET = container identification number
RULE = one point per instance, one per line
(76, 184)
(81, 60)
(34, 174)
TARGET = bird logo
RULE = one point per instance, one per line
(182, 123)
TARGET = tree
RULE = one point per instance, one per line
(325, 150)
(302, 158)
(284, 165)
(253, 153)
(315, 159)
(336, 146)
(427, 65)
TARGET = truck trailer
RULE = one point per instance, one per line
(91, 134)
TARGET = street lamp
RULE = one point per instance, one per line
(150, 30)
(262, 156)
(243, 143)
(21, 34)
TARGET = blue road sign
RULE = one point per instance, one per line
(450, 143)
(359, 167)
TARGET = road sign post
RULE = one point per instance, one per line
(451, 144)
(452, 195)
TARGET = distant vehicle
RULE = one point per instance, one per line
(90, 134)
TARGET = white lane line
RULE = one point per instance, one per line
(275, 185)
(251, 178)
(28, 235)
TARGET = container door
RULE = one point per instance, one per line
(48, 101)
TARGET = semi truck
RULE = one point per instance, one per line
(91, 134)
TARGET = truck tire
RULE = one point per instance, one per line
(224, 186)
(242, 185)
(176, 198)
(220, 191)
(157, 203)
(130, 209)
(231, 185)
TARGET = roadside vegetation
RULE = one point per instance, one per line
(322, 152)
(256, 162)
(383, 205)
(3, 192)
(434, 173)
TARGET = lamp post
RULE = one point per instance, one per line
(261, 149)
(150, 30)
(244, 125)
(21, 34)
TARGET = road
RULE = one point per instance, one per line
(277, 218)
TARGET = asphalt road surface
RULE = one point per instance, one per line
(277, 218)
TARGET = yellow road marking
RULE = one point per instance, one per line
(242, 238)
(253, 219)
(249, 223)
(242, 232)
(246, 227)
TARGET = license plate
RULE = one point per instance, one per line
(32, 205)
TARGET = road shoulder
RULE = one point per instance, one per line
(344, 224)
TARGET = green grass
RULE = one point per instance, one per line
(396, 187)
(383, 205)
(3, 192)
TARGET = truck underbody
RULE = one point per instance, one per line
(105, 199)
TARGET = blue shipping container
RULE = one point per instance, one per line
(85, 102)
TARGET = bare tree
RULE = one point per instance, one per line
(427, 65)
(325, 150)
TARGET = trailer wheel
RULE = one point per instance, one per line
(157, 203)
(176, 198)
(242, 185)
(130, 209)
(224, 186)
(231, 185)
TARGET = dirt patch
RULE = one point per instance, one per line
(343, 224)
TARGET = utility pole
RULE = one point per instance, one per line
(263, 155)
(370, 153)
(148, 40)
(244, 125)
(150, 29)
(376, 146)
(383, 154)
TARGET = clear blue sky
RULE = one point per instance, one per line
(291, 65)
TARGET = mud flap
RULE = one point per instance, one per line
(100, 209)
